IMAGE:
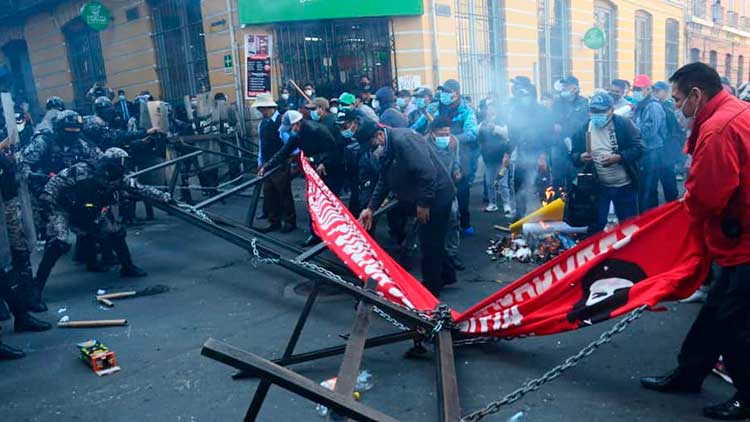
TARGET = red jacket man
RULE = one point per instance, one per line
(718, 199)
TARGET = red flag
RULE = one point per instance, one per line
(656, 257)
(345, 237)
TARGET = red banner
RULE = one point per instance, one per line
(346, 238)
(656, 257)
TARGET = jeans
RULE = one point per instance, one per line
(436, 268)
(624, 198)
(490, 181)
(722, 328)
(654, 168)
(453, 237)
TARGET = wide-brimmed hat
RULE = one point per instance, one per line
(264, 101)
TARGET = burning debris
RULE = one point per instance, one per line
(530, 248)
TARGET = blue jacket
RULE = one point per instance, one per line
(650, 118)
(464, 128)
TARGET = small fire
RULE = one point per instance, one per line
(550, 195)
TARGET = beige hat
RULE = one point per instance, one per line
(318, 102)
(264, 100)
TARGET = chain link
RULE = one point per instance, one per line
(258, 259)
(554, 373)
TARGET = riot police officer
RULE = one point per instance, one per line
(81, 198)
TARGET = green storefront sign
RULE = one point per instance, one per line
(96, 15)
(264, 11)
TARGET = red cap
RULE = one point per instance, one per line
(642, 81)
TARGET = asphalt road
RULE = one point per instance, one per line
(216, 292)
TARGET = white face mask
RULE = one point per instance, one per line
(285, 96)
(334, 110)
(309, 92)
(685, 121)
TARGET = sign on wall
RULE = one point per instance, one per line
(257, 65)
(96, 15)
(262, 11)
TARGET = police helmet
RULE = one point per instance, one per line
(102, 103)
(68, 121)
(55, 103)
(94, 127)
(112, 165)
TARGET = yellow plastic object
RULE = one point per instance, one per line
(550, 212)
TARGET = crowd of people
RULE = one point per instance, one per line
(68, 173)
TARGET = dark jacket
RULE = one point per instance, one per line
(650, 118)
(270, 141)
(493, 146)
(317, 143)
(412, 170)
(391, 117)
(629, 145)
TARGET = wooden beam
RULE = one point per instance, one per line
(447, 384)
(288, 380)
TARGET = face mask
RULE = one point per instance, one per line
(315, 115)
(615, 97)
(446, 98)
(21, 126)
(638, 96)
(442, 142)
(685, 121)
(420, 102)
(401, 102)
(335, 110)
(309, 92)
(566, 95)
(599, 120)
(284, 97)
(347, 134)
(285, 137)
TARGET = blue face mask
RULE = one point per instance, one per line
(446, 98)
(637, 96)
(347, 134)
(442, 142)
(419, 102)
(401, 102)
(599, 120)
(285, 137)
(315, 115)
(566, 95)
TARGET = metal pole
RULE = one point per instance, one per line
(236, 72)
(230, 192)
(165, 164)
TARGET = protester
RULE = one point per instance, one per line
(422, 99)
(496, 150)
(446, 147)
(718, 200)
(333, 106)
(464, 129)
(612, 143)
(285, 101)
(319, 112)
(348, 101)
(569, 112)
(621, 106)
(411, 169)
(309, 90)
(674, 141)
(530, 132)
(320, 147)
(405, 103)
(390, 115)
(125, 109)
(651, 120)
(278, 202)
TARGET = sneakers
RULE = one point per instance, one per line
(699, 296)
(721, 370)
(507, 211)
(491, 208)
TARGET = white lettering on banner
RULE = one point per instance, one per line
(506, 307)
(347, 237)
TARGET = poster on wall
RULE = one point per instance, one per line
(258, 65)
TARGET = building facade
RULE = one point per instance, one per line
(719, 34)
(174, 48)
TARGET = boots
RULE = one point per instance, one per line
(127, 268)
(79, 250)
(52, 252)
(10, 353)
(15, 294)
(90, 257)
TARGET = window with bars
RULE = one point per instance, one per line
(480, 46)
(180, 48)
(643, 42)
(554, 41)
(713, 59)
(672, 47)
(740, 69)
(695, 55)
(728, 66)
(605, 58)
(86, 61)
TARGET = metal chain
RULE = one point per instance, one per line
(554, 373)
(258, 259)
